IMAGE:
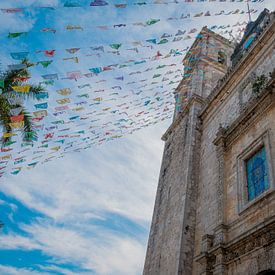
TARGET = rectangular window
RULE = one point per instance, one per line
(257, 174)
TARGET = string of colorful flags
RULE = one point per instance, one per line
(101, 50)
(147, 23)
(104, 102)
(103, 3)
(91, 126)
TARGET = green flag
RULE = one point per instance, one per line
(45, 64)
(2, 83)
(163, 41)
(15, 34)
(115, 46)
(160, 66)
(152, 21)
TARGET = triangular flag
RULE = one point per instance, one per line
(45, 64)
(21, 89)
(15, 34)
(152, 21)
(97, 3)
(72, 50)
(115, 46)
(163, 41)
(154, 41)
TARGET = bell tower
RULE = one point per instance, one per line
(171, 240)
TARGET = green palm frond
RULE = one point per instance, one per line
(33, 93)
(35, 90)
(28, 132)
(5, 109)
(14, 78)
(17, 78)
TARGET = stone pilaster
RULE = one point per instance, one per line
(221, 229)
(219, 142)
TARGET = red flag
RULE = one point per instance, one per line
(49, 53)
(49, 135)
(17, 118)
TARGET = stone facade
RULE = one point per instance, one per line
(203, 222)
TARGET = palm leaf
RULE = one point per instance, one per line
(5, 108)
(14, 78)
(17, 78)
(28, 132)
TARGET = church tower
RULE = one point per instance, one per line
(171, 240)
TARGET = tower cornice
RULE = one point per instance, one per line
(232, 75)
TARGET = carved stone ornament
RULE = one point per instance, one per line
(260, 239)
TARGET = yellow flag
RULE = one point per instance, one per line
(55, 148)
(72, 27)
(41, 113)
(7, 135)
(78, 109)
(98, 99)
(63, 101)
(16, 125)
(75, 59)
(21, 89)
(64, 91)
(5, 157)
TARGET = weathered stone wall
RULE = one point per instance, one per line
(257, 261)
(170, 246)
(164, 240)
(171, 241)
(257, 213)
(199, 214)
(218, 204)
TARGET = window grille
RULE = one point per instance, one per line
(257, 174)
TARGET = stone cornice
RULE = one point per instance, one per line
(257, 237)
(194, 99)
(233, 73)
(206, 31)
(256, 107)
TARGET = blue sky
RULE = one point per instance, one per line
(90, 211)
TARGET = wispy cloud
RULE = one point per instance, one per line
(95, 217)
(88, 213)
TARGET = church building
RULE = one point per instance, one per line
(214, 211)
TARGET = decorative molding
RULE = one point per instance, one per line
(220, 182)
(216, 260)
(261, 238)
(249, 80)
(220, 234)
(254, 109)
(231, 75)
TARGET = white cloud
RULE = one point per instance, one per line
(13, 241)
(120, 177)
(9, 270)
(106, 254)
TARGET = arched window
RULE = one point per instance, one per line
(221, 57)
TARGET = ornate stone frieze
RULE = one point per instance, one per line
(259, 239)
(243, 87)
(217, 258)
(255, 107)
(230, 76)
